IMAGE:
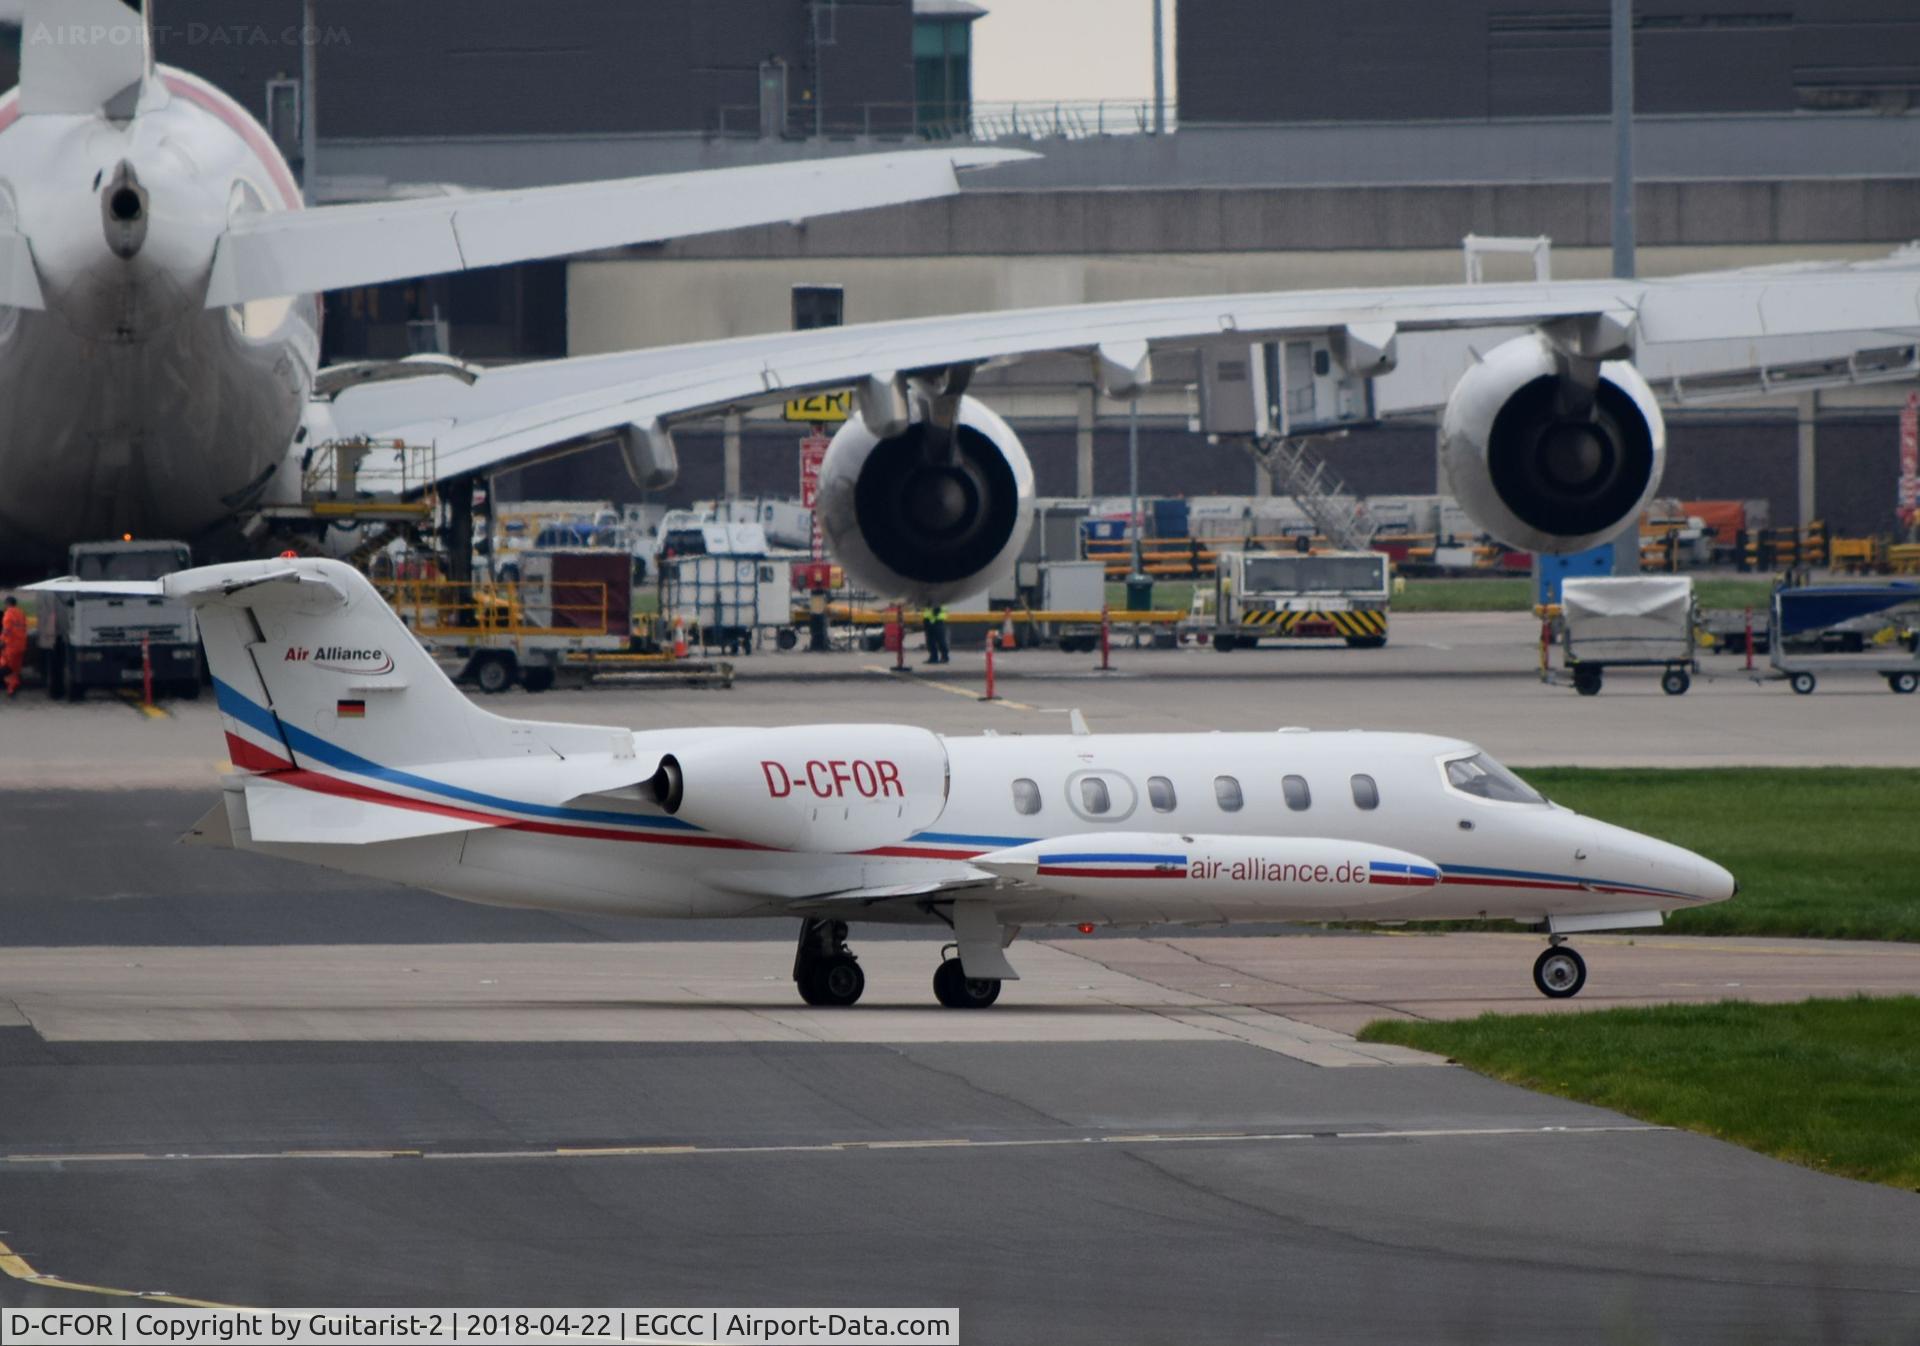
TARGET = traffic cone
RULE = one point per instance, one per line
(679, 638)
(1006, 633)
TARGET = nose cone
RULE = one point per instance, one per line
(1716, 883)
(1662, 868)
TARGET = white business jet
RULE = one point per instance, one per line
(354, 751)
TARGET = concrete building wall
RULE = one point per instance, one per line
(1262, 61)
(624, 304)
(432, 68)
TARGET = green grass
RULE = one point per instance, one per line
(1735, 593)
(1831, 1084)
(1468, 595)
(1168, 595)
(1819, 851)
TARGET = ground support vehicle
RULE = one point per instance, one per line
(728, 600)
(108, 641)
(1644, 621)
(1301, 596)
(1801, 616)
(566, 603)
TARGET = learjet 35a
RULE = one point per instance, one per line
(352, 750)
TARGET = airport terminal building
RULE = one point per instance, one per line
(1357, 145)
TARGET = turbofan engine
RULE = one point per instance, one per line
(827, 787)
(932, 513)
(1544, 460)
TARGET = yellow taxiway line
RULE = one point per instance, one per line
(953, 689)
(13, 1265)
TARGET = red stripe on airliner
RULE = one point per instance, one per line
(212, 100)
(1403, 880)
(9, 109)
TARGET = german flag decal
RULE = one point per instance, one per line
(350, 710)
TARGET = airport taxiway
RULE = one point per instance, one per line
(237, 1080)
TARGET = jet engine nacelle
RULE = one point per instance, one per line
(910, 516)
(823, 788)
(1540, 463)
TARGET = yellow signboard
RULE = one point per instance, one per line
(821, 406)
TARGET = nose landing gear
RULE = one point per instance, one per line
(1559, 972)
(824, 968)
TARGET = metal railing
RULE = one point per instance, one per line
(1061, 119)
(436, 609)
(1303, 474)
(351, 474)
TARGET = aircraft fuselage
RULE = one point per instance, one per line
(126, 406)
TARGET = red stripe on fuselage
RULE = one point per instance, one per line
(210, 99)
(250, 756)
(9, 109)
(332, 785)
(1079, 872)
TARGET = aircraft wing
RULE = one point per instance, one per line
(1754, 330)
(334, 247)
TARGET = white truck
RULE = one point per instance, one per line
(98, 640)
(1327, 595)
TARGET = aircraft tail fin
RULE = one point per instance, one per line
(314, 671)
(83, 56)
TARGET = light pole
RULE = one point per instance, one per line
(1623, 262)
(1134, 527)
(1159, 68)
(309, 68)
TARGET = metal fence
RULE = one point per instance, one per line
(1058, 120)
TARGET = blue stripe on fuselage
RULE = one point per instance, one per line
(258, 717)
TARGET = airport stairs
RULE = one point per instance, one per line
(1338, 515)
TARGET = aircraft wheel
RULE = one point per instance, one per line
(1586, 681)
(1903, 683)
(1675, 681)
(1559, 972)
(953, 988)
(1802, 683)
(494, 673)
(834, 980)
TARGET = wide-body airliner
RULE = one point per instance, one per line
(353, 750)
(159, 326)
(158, 344)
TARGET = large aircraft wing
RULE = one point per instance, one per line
(1752, 330)
(335, 247)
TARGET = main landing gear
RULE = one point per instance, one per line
(1559, 972)
(953, 988)
(827, 973)
(824, 968)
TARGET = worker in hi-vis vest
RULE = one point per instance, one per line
(933, 621)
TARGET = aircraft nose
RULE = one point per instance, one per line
(1716, 882)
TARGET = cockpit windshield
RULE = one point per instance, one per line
(1482, 776)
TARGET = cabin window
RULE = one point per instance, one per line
(1294, 789)
(1485, 778)
(1226, 791)
(1026, 796)
(1160, 794)
(1094, 796)
(1366, 794)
